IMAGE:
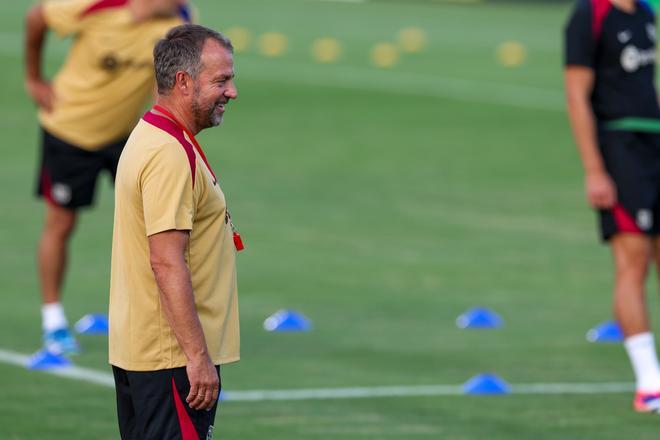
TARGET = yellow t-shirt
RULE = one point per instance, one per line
(163, 184)
(108, 74)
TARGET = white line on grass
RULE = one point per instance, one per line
(105, 379)
(73, 372)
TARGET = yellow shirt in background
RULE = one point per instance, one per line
(108, 74)
(163, 184)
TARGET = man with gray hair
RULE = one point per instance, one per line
(173, 294)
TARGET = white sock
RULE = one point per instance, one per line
(644, 360)
(52, 317)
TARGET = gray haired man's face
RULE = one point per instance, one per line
(214, 86)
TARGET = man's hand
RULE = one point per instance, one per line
(41, 93)
(204, 383)
(600, 189)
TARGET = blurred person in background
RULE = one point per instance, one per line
(610, 59)
(173, 288)
(85, 115)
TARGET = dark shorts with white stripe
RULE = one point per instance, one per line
(151, 405)
(632, 160)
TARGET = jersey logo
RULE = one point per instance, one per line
(624, 36)
(632, 58)
(61, 193)
(645, 219)
(111, 63)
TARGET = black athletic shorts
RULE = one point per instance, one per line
(151, 405)
(67, 175)
(633, 161)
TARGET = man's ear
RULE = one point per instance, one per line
(183, 82)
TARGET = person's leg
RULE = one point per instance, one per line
(632, 258)
(52, 261)
(52, 255)
(66, 181)
(656, 256)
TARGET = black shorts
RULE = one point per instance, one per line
(151, 405)
(67, 175)
(633, 161)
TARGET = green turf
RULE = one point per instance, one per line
(382, 204)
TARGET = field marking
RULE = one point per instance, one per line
(73, 372)
(106, 380)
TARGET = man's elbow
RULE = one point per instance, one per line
(34, 19)
(576, 98)
(160, 266)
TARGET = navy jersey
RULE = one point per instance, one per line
(620, 48)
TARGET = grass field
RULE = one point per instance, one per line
(381, 203)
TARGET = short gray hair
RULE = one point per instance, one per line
(181, 51)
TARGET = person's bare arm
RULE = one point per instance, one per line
(600, 189)
(173, 277)
(37, 87)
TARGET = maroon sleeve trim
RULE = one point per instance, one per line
(103, 4)
(175, 131)
(599, 9)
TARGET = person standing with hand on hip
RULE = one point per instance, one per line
(85, 115)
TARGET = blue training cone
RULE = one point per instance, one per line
(608, 331)
(486, 384)
(45, 360)
(93, 324)
(479, 317)
(287, 321)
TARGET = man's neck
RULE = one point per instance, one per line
(142, 9)
(625, 5)
(182, 117)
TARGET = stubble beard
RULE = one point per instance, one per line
(205, 117)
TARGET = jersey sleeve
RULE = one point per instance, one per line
(579, 41)
(168, 196)
(65, 16)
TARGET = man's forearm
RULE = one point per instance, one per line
(35, 32)
(583, 123)
(179, 306)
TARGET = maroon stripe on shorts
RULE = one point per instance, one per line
(624, 221)
(188, 431)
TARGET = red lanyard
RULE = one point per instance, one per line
(238, 242)
(190, 135)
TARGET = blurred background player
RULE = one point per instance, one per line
(86, 115)
(610, 56)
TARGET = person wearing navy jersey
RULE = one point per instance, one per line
(610, 58)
